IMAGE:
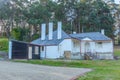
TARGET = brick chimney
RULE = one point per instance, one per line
(50, 34)
(103, 31)
(59, 30)
(43, 31)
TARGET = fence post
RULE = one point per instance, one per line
(10, 50)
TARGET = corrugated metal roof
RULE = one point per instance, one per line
(92, 35)
(96, 36)
(54, 41)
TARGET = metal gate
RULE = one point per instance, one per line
(19, 50)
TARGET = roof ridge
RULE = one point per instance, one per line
(86, 33)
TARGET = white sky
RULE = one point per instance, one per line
(117, 1)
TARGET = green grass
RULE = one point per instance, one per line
(102, 69)
(3, 44)
(117, 52)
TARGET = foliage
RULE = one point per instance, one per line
(3, 44)
(86, 16)
(79, 16)
(34, 14)
(119, 41)
(20, 33)
(38, 13)
(35, 36)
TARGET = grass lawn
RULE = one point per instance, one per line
(3, 44)
(117, 52)
(102, 69)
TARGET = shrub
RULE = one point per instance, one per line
(3, 44)
(119, 41)
(35, 36)
(20, 34)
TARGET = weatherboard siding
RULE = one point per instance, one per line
(52, 52)
(106, 51)
(65, 45)
(106, 47)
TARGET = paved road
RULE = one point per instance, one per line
(23, 71)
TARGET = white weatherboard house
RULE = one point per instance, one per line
(58, 44)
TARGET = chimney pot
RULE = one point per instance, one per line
(103, 31)
(74, 32)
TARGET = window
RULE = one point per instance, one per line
(76, 43)
(99, 44)
(42, 48)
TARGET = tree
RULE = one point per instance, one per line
(6, 17)
(11, 14)
(101, 18)
(36, 14)
(86, 15)
(79, 16)
(20, 34)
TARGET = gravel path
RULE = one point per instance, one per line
(23, 71)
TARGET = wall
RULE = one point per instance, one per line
(105, 47)
(10, 50)
(74, 46)
(57, 51)
(42, 52)
(95, 47)
(65, 45)
(76, 49)
(53, 52)
(105, 51)
(50, 52)
(30, 52)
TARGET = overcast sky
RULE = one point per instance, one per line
(117, 1)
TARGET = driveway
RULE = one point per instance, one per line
(23, 71)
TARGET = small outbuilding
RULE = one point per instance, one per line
(23, 50)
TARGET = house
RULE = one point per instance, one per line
(58, 44)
